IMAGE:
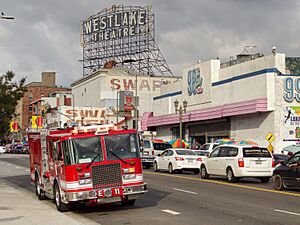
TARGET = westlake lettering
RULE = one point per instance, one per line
(115, 25)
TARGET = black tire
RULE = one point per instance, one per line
(203, 172)
(230, 176)
(264, 179)
(126, 202)
(147, 166)
(170, 168)
(155, 167)
(38, 190)
(62, 207)
(197, 171)
(278, 182)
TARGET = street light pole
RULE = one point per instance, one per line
(181, 109)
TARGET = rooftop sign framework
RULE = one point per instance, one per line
(122, 35)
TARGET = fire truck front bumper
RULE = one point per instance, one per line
(106, 193)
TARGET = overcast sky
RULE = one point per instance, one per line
(45, 36)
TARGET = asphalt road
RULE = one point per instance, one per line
(182, 199)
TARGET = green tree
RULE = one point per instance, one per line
(10, 92)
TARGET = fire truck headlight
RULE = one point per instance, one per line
(129, 170)
(129, 176)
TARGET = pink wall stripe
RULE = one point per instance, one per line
(238, 108)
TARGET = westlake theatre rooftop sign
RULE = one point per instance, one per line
(124, 36)
(114, 25)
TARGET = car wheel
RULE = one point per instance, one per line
(197, 171)
(170, 168)
(230, 176)
(203, 172)
(265, 179)
(62, 207)
(155, 167)
(278, 182)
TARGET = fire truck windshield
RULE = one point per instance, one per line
(82, 150)
(122, 146)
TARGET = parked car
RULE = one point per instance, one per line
(177, 159)
(202, 154)
(291, 149)
(155, 147)
(8, 148)
(2, 149)
(238, 161)
(152, 148)
(209, 146)
(287, 174)
(280, 158)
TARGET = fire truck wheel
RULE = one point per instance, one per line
(38, 191)
(62, 207)
(126, 202)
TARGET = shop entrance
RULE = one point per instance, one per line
(208, 132)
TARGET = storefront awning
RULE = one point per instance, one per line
(232, 109)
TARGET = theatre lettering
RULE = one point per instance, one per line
(115, 25)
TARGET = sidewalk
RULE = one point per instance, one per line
(18, 206)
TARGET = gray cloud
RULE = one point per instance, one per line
(45, 36)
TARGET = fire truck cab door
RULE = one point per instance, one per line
(59, 162)
(52, 156)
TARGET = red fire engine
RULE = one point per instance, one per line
(92, 164)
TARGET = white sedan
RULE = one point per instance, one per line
(2, 149)
(177, 159)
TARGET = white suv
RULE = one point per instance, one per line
(238, 161)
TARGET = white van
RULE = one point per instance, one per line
(152, 148)
(238, 161)
(155, 147)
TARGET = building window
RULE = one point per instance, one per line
(30, 96)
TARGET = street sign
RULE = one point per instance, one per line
(270, 148)
(270, 137)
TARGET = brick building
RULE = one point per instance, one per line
(35, 91)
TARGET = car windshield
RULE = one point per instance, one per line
(204, 147)
(185, 152)
(82, 150)
(201, 153)
(161, 146)
(123, 146)
(256, 152)
(146, 143)
(280, 156)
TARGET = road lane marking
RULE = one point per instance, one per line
(227, 184)
(190, 192)
(287, 212)
(171, 212)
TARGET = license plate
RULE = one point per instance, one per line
(109, 192)
(258, 162)
(145, 153)
(190, 160)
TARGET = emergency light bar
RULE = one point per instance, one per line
(97, 129)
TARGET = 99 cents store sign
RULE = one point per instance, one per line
(114, 25)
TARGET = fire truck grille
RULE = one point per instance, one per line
(108, 175)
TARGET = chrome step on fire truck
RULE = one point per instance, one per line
(92, 164)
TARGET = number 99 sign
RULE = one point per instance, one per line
(291, 89)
